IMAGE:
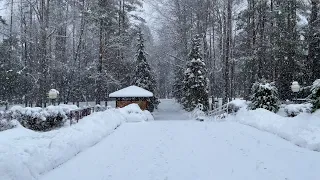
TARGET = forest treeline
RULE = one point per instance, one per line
(244, 41)
(86, 48)
(83, 48)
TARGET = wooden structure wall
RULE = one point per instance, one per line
(142, 102)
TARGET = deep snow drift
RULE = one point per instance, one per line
(25, 154)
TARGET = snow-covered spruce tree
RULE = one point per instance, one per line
(195, 82)
(143, 76)
(315, 95)
(264, 95)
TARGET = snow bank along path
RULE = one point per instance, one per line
(190, 150)
(302, 130)
(25, 154)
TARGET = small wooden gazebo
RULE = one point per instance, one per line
(132, 94)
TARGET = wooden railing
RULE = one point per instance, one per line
(78, 114)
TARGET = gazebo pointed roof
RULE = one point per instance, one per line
(131, 91)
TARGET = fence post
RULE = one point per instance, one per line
(7, 105)
(81, 113)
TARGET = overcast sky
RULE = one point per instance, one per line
(147, 13)
(150, 15)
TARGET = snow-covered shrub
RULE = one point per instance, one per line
(265, 95)
(133, 113)
(39, 119)
(235, 105)
(99, 108)
(55, 116)
(293, 110)
(36, 118)
(68, 108)
(5, 122)
(315, 95)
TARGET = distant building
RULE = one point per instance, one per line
(132, 94)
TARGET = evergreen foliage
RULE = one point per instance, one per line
(314, 40)
(84, 48)
(67, 45)
(143, 75)
(315, 95)
(269, 45)
(264, 95)
(178, 85)
(195, 82)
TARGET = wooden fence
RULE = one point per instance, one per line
(78, 114)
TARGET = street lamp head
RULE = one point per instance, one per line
(53, 94)
(295, 87)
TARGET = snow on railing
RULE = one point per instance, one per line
(198, 113)
(220, 112)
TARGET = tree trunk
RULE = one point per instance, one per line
(228, 49)
(100, 65)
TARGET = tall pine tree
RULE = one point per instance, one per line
(143, 75)
(195, 83)
(314, 40)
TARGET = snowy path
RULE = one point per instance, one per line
(190, 150)
(170, 110)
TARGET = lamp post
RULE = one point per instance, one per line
(295, 87)
(53, 94)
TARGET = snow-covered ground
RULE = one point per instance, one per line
(170, 110)
(302, 130)
(164, 149)
(25, 154)
(190, 150)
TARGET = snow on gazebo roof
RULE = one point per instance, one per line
(131, 91)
